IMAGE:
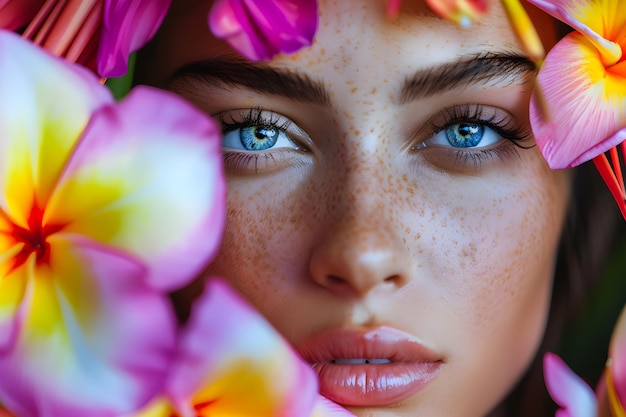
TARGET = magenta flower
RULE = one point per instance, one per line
(231, 362)
(104, 208)
(260, 29)
(127, 26)
(16, 13)
(570, 392)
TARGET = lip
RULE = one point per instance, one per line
(412, 365)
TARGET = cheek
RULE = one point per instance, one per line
(264, 249)
(491, 254)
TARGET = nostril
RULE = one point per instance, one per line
(394, 279)
(334, 279)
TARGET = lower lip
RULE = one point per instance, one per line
(374, 384)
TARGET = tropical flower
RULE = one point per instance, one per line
(583, 81)
(231, 362)
(127, 26)
(461, 12)
(260, 29)
(616, 368)
(100, 34)
(566, 388)
(575, 397)
(104, 207)
(16, 13)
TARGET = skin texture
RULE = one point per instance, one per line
(359, 224)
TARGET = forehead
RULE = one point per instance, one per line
(353, 36)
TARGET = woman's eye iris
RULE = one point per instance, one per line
(465, 135)
(258, 138)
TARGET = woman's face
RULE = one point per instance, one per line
(385, 200)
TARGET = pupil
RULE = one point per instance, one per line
(466, 130)
(263, 133)
(259, 138)
(465, 135)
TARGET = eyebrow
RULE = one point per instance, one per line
(257, 77)
(486, 69)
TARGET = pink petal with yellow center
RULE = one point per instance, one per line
(96, 339)
(146, 178)
(587, 104)
(44, 106)
(567, 389)
(16, 13)
(127, 26)
(602, 22)
(229, 352)
(605, 17)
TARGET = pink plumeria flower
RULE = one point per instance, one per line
(583, 81)
(570, 392)
(127, 26)
(260, 29)
(231, 362)
(16, 13)
(104, 208)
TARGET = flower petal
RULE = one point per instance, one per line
(261, 29)
(587, 104)
(12, 292)
(326, 408)
(461, 12)
(600, 21)
(617, 355)
(14, 14)
(127, 26)
(229, 352)
(567, 389)
(44, 106)
(146, 178)
(96, 340)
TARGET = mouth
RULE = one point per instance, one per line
(370, 368)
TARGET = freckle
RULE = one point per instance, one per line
(410, 191)
(372, 130)
(354, 90)
(374, 90)
(322, 51)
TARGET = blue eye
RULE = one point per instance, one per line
(257, 138)
(465, 135)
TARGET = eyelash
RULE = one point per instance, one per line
(253, 117)
(504, 127)
(474, 114)
(239, 161)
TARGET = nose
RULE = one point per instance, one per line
(359, 257)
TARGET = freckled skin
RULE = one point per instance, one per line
(361, 231)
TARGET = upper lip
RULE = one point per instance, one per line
(382, 342)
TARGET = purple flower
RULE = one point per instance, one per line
(260, 29)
